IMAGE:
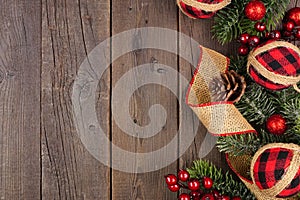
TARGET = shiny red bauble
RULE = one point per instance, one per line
(183, 175)
(275, 35)
(244, 38)
(174, 188)
(260, 26)
(276, 124)
(184, 196)
(243, 50)
(294, 15)
(255, 10)
(289, 25)
(171, 179)
(236, 198)
(207, 182)
(194, 184)
(254, 40)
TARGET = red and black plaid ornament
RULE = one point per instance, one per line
(275, 65)
(201, 9)
(272, 165)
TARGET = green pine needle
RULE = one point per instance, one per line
(231, 21)
(224, 183)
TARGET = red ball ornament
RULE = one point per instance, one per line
(276, 124)
(183, 175)
(294, 15)
(260, 26)
(174, 188)
(194, 184)
(243, 50)
(171, 179)
(236, 198)
(207, 182)
(184, 196)
(255, 10)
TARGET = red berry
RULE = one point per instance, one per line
(171, 179)
(275, 35)
(297, 33)
(224, 197)
(195, 194)
(184, 196)
(260, 26)
(254, 41)
(289, 26)
(244, 38)
(255, 10)
(194, 184)
(243, 50)
(208, 197)
(216, 194)
(236, 198)
(174, 188)
(207, 182)
(183, 175)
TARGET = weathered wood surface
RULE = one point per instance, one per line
(42, 45)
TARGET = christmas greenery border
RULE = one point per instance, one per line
(257, 105)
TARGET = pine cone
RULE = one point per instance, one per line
(228, 87)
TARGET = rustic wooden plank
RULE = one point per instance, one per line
(203, 143)
(20, 100)
(126, 16)
(70, 30)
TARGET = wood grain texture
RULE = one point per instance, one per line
(71, 29)
(20, 100)
(125, 16)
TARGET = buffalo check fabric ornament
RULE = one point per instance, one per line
(201, 9)
(271, 166)
(275, 65)
(274, 171)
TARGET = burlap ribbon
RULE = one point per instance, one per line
(205, 6)
(220, 118)
(224, 119)
(274, 77)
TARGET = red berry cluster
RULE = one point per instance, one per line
(200, 189)
(290, 30)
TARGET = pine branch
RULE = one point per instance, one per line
(230, 22)
(256, 105)
(249, 143)
(224, 183)
(239, 144)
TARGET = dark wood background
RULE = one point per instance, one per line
(42, 44)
